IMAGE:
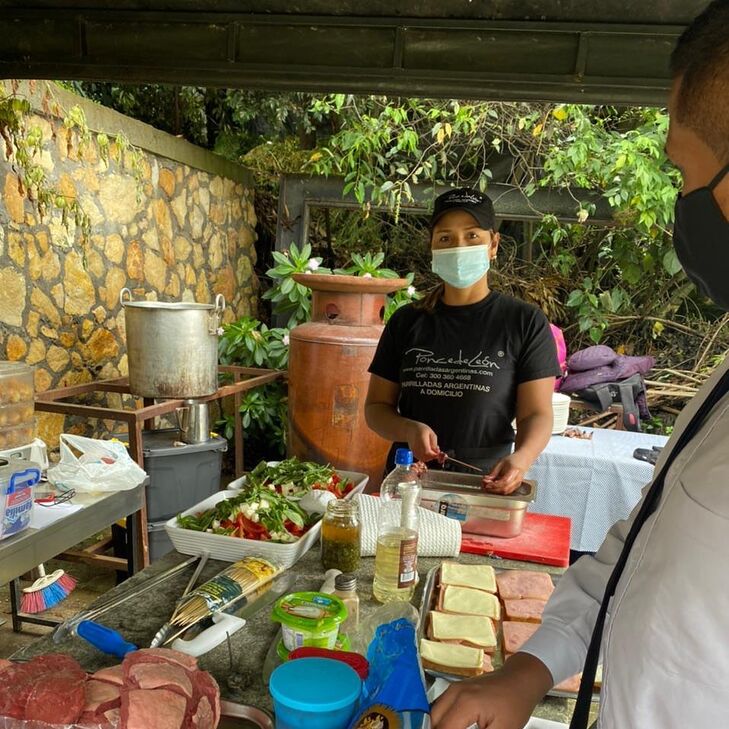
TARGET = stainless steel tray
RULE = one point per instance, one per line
(461, 496)
(428, 603)
(240, 716)
(471, 485)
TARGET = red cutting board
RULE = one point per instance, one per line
(544, 539)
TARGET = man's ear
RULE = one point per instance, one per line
(495, 240)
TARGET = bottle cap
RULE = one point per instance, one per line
(403, 457)
(345, 581)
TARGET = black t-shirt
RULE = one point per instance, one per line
(459, 367)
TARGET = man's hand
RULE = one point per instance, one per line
(506, 476)
(423, 442)
(504, 699)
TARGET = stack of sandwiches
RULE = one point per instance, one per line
(477, 612)
(462, 629)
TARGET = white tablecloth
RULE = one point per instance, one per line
(595, 482)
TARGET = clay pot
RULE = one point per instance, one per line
(328, 378)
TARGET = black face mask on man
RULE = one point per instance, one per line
(701, 240)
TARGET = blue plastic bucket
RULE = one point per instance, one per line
(314, 692)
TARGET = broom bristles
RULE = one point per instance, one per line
(36, 601)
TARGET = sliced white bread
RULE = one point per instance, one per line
(476, 576)
(471, 630)
(465, 601)
(459, 660)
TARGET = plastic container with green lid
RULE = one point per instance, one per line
(310, 619)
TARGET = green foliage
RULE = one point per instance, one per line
(368, 265)
(250, 343)
(288, 297)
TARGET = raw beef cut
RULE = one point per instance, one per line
(56, 699)
(158, 709)
(159, 675)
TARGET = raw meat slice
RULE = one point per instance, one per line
(101, 696)
(160, 675)
(520, 584)
(113, 674)
(16, 685)
(56, 700)
(208, 688)
(516, 634)
(113, 716)
(527, 610)
(204, 717)
(53, 663)
(161, 655)
(161, 709)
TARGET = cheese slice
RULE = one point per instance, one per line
(455, 656)
(464, 601)
(470, 628)
(477, 576)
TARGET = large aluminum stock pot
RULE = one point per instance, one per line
(172, 347)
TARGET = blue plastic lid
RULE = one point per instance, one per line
(315, 684)
(403, 457)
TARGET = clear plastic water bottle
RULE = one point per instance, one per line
(396, 557)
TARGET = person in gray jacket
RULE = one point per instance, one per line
(653, 601)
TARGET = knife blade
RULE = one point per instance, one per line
(235, 616)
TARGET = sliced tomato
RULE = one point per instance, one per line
(348, 487)
(292, 528)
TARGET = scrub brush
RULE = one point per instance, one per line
(46, 591)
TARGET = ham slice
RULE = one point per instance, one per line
(516, 634)
(527, 610)
(524, 584)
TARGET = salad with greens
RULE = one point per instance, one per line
(267, 507)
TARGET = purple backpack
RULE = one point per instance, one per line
(601, 377)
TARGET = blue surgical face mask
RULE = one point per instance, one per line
(461, 267)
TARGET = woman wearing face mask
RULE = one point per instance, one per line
(452, 371)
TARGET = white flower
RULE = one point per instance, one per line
(313, 264)
(411, 290)
(285, 340)
(582, 215)
(366, 275)
(221, 331)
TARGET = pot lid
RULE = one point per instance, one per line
(350, 284)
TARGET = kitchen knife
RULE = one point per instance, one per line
(232, 620)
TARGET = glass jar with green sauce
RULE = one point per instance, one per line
(340, 536)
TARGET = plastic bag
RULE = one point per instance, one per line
(394, 693)
(103, 465)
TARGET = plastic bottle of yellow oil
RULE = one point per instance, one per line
(396, 558)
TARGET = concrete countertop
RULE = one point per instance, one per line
(238, 670)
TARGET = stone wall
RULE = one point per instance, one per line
(182, 227)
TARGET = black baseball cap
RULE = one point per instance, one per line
(473, 202)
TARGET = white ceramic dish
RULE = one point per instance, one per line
(231, 549)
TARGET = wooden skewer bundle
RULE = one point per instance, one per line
(239, 580)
